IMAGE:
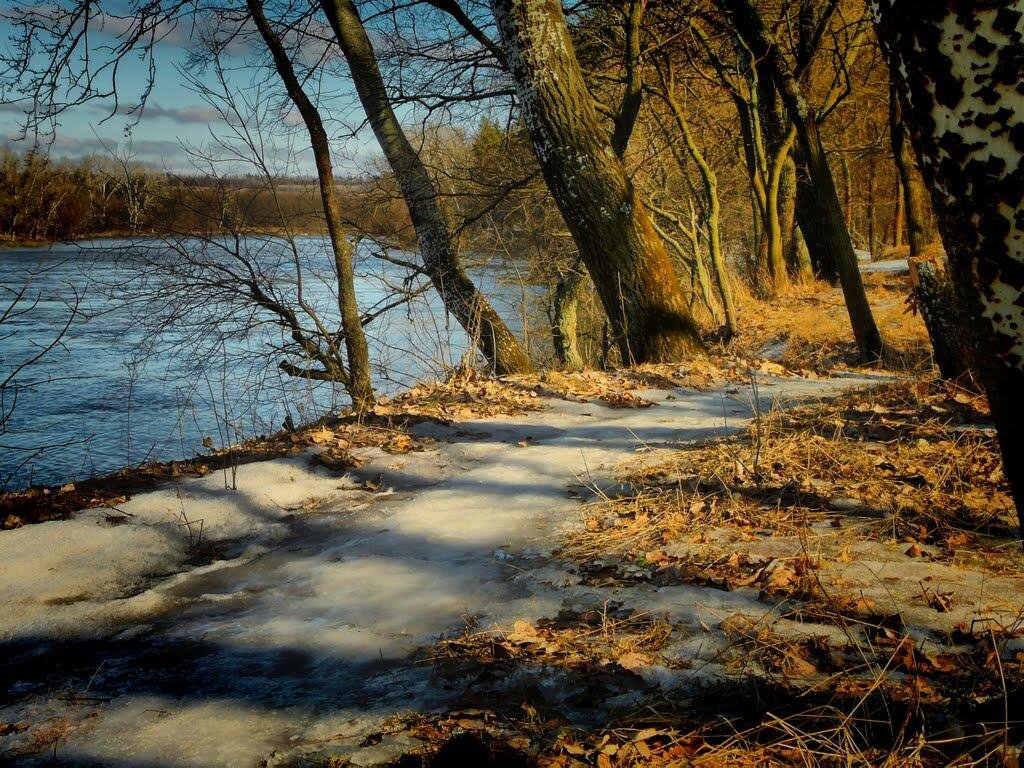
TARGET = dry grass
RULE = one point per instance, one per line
(918, 454)
(810, 328)
(821, 677)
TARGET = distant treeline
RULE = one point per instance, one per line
(45, 200)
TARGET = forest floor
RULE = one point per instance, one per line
(744, 561)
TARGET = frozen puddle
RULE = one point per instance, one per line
(292, 624)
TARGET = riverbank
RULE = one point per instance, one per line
(8, 242)
(542, 569)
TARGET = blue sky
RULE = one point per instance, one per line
(174, 116)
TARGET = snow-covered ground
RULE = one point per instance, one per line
(889, 266)
(290, 627)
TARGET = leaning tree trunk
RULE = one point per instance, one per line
(958, 69)
(818, 207)
(357, 378)
(627, 261)
(902, 157)
(440, 260)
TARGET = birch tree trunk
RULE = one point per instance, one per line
(440, 260)
(958, 71)
(635, 279)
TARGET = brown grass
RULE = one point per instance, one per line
(811, 325)
(916, 460)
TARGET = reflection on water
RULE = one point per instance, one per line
(119, 389)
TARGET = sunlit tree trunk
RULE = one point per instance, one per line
(957, 68)
(819, 210)
(709, 185)
(635, 279)
(440, 259)
(568, 293)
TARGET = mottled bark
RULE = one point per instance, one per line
(440, 259)
(634, 277)
(958, 71)
(357, 378)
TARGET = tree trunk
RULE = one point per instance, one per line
(567, 296)
(776, 252)
(823, 261)
(780, 200)
(709, 185)
(357, 378)
(612, 228)
(440, 260)
(899, 222)
(869, 212)
(902, 157)
(957, 67)
(802, 253)
(797, 258)
(819, 209)
(950, 329)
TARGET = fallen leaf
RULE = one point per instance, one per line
(633, 660)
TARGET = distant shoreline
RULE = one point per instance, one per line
(11, 243)
(14, 243)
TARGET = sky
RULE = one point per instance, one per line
(174, 118)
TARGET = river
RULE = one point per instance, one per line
(150, 365)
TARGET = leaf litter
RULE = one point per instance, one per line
(835, 671)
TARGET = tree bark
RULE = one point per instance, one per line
(567, 296)
(440, 259)
(903, 158)
(709, 185)
(818, 206)
(957, 67)
(634, 277)
(938, 301)
(357, 378)
(899, 223)
(632, 98)
(776, 242)
(797, 259)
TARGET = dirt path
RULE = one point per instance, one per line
(289, 628)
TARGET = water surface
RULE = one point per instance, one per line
(150, 365)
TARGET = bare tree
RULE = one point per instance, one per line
(822, 218)
(357, 375)
(440, 259)
(609, 221)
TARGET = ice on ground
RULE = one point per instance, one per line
(887, 266)
(297, 621)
